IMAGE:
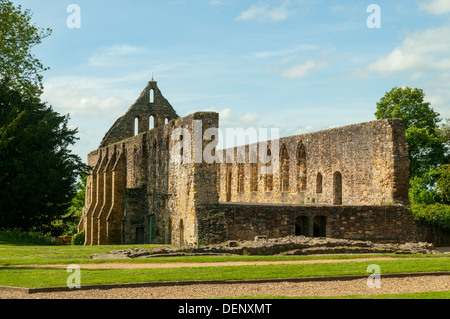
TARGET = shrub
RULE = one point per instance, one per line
(19, 237)
(436, 214)
(78, 239)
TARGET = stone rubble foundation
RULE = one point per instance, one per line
(291, 245)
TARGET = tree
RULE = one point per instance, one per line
(38, 173)
(17, 38)
(426, 149)
(444, 137)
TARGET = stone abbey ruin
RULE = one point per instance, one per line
(349, 182)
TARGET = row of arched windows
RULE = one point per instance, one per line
(284, 174)
(268, 176)
(151, 123)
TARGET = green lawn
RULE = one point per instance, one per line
(27, 254)
(416, 295)
(48, 277)
(51, 255)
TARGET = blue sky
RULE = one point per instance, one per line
(299, 65)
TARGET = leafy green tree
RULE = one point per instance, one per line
(444, 137)
(426, 149)
(443, 183)
(38, 173)
(17, 38)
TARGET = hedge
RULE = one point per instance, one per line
(435, 214)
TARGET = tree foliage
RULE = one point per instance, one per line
(17, 38)
(38, 173)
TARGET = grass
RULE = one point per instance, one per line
(27, 249)
(47, 277)
(416, 295)
(52, 255)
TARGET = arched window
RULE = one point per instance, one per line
(151, 122)
(301, 167)
(229, 179)
(218, 177)
(166, 121)
(268, 177)
(136, 126)
(240, 172)
(181, 149)
(152, 96)
(319, 181)
(337, 188)
(253, 172)
(284, 168)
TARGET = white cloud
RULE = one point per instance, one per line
(278, 53)
(420, 52)
(304, 69)
(262, 12)
(436, 6)
(111, 55)
(84, 96)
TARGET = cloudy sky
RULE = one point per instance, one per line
(297, 65)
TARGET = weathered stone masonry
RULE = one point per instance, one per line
(348, 182)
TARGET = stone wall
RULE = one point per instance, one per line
(138, 193)
(393, 223)
(344, 182)
(361, 164)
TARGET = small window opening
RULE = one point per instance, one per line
(136, 126)
(152, 96)
(151, 122)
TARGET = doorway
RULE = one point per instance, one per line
(140, 236)
(320, 226)
(301, 225)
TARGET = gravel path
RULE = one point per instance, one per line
(332, 288)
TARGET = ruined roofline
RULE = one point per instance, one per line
(150, 102)
(349, 126)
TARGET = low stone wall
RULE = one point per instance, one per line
(391, 223)
(433, 234)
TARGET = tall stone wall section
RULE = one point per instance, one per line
(361, 164)
(138, 193)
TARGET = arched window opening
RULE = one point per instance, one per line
(253, 172)
(181, 149)
(152, 96)
(240, 168)
(319, 181)
(136, 126)
(151, 122)
(229, 178)
(166, 121)
(218, 177)
(268, 177)
(301, 167)
(284, 169)
(337, 188)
